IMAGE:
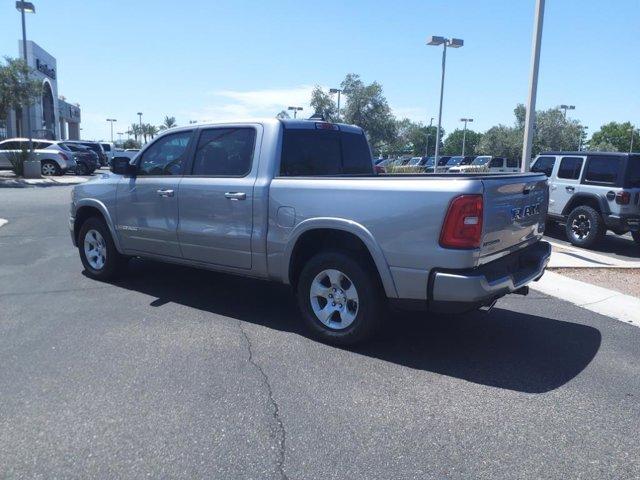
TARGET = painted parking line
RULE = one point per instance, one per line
(592, 297)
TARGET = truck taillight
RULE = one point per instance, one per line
(64, 157)
(623, 198)
(462, 226)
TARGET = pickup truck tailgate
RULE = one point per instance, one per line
(515, 208)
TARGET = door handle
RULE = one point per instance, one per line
(236, 196)
(570, 189)
(165, 193)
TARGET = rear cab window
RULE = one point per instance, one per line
(315, 152)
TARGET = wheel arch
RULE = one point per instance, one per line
(311, 235)
(93, 208)
(596, 202)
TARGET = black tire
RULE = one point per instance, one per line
(82, 169)
(370, 305)
(114, 263)
(47, 166)
(585, 227)
(636, 237)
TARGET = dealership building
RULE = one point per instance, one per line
(52, 117)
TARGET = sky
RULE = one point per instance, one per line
(217, 60)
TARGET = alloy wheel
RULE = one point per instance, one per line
(48, 169)
(581, 226)
(334, 299)
(95, 249)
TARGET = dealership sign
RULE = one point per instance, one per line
(46, 69)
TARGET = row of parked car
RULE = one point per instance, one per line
(58, 157)
(449, 164)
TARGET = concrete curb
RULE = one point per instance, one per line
(596, 299)
(40, 182)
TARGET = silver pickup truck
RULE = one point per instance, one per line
(298, 202)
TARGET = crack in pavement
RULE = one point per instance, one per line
(281, 433)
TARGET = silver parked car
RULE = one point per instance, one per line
(298, 202)
(55, 158)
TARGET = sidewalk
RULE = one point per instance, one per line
(9, 180)
(602, 284)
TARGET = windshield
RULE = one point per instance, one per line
(415, 160)
(481, 160)
(453, 161)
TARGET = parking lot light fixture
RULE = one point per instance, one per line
(26, 7)
(338, 91)
(464, 132)
(567, 107)
(295, 111)
(436, 40)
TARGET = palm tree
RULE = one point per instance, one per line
(150, 130)
(169, 122)
(135, 130)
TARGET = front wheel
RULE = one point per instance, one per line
(98, 253)
(636, 237)
(340, 298)
(585, 227)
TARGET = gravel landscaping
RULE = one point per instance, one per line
(623, 280)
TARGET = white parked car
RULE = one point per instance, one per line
(488, 164)
(55, 158)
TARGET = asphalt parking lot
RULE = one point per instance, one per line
(178, 373)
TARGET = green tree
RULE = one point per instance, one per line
(130, 143)
(501, 141)
(322, 104)
(136, 130)
(613, 136)
(453, 143)
(18, 87)
(368, 108)
(168, 122)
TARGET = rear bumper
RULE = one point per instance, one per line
(623, 222)
(493, 280)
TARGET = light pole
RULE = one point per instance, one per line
(426, 150)
(445, 42)
(631, 145)
(140, 117)
(464, 132)
(338, 91)
(120, 137)
(567, 107)
(111, 120)
(583, 131)
(530, 117)
(295, 111)
(27, 7)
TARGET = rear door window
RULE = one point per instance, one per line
(513, 163)
(224, 152)
(602, 169)
(570, 168)
(496, 163)
(544, 165)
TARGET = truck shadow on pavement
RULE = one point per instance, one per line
(505, 349)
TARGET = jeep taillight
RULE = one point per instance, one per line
(462, 226)
(623, 198)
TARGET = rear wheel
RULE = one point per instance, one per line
(340, 298)
(81, 169)
(636, 237)
(98, 253)
(585, 227)
(48, 168)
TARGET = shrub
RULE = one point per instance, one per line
(17, 160)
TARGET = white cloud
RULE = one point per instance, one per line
(237, 104)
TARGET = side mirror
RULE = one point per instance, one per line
(123, 166)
